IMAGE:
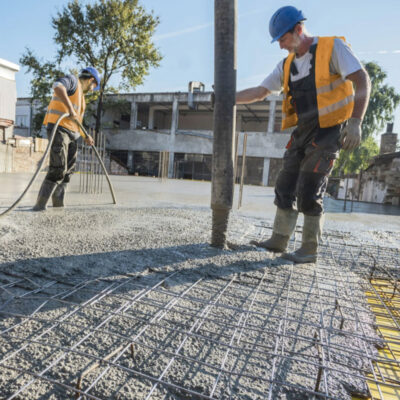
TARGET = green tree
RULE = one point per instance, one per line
(382, 103)
(115, 36)
(381, 107)
(44, 74)
(352, 162)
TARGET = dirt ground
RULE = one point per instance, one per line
(86, 282)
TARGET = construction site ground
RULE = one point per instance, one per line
(129, 301)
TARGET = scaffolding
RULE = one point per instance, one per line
(329, 330)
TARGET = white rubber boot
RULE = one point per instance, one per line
(312, 231)
(284, 225)
(45, 192)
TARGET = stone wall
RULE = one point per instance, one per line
(22, 155)
(381, 182)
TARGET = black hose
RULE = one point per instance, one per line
(44, 159)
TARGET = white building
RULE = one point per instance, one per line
(23, 117)
(8, 98)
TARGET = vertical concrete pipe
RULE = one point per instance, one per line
(225, 22)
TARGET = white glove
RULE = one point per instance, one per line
(351, 134)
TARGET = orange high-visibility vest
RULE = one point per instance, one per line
(335, 95)
(57, 108)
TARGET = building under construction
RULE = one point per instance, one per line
(140, 126)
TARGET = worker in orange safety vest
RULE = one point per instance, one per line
(68, 97)
(325, 95)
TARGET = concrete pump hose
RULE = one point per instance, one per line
(39, 168)
(44, 159)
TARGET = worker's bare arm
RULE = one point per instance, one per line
(61, 93)
(252, 95)
(362, 89)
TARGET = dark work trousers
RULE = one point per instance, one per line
(63, 154)
(307, 164)
(311, 151)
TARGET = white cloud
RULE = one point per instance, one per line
(200, 27)
(183, 31)
(379, 52)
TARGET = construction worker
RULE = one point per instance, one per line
(68, 97)
(325, 96)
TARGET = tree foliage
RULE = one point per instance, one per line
(382, 103)
(115, 36)
(358, 159)
(381, 107)
(44, 74)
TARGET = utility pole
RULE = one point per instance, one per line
(225, 22)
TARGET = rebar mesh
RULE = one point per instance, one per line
(282, 332)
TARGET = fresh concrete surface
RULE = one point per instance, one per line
(76, 268)
(257, 201)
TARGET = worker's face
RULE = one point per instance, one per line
(290, 41)
(90, 84)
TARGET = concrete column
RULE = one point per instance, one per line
(174, 128)
(134, 111)
(130, 161)
(271, 119)
(265, 172)
(151, 118)
(225, 27)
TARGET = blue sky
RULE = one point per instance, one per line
(185, 37)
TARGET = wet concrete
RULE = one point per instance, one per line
(151, 192)
(158, 228)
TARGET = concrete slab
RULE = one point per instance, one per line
(257, 201)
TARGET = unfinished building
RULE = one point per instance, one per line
(139, 126)
(182, 124)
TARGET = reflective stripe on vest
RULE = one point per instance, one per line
(335, 96)
(55, 98)
(57, 108)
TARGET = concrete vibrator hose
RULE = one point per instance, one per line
(42, 161)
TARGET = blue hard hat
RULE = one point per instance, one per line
(94, 73)
(283, 21)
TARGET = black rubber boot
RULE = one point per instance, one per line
(45, 192)
(284, 225)
(308, 251)
(59, 194)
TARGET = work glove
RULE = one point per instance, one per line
(89, 140)
(351, 134)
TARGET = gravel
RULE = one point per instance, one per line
(220, 323)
